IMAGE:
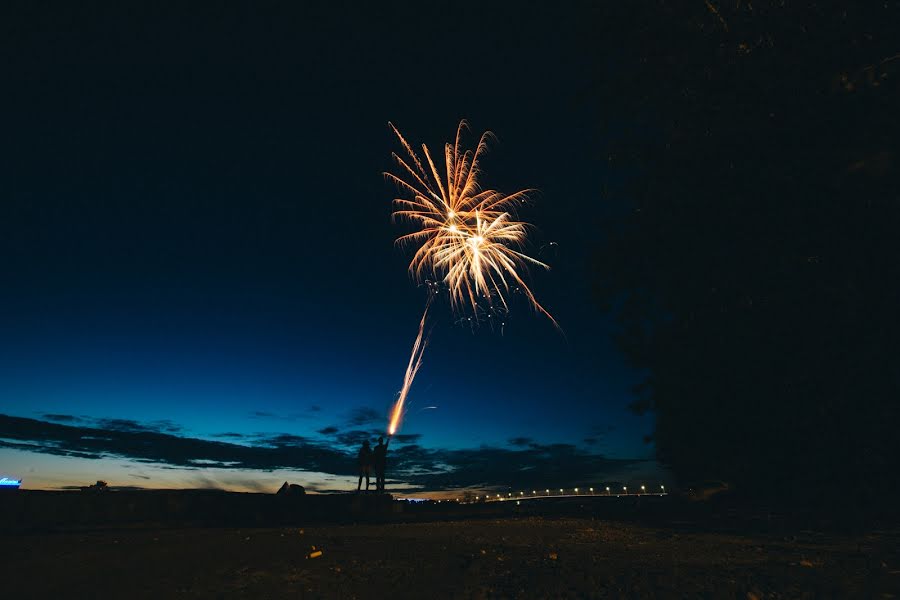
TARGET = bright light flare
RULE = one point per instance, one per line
(415, 361)
(468, 238)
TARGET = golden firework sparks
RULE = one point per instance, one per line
(468, 238)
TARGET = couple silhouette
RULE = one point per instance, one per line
(370, 460)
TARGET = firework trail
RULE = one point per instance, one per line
(415, 361)
(469, 239)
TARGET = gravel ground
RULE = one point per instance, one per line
(508, 558)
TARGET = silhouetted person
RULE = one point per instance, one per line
(379, 460)
(364, 460)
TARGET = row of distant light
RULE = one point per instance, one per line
(576, 490)
(561, 490)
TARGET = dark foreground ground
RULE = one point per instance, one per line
(516, 556)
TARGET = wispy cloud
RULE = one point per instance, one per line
(521, 441)
(266, 453)
(407, 438)
(162, 426)
(355, 437)
(521, 464)
(364, 415)
(62, 418)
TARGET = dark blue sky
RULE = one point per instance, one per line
(195, 230)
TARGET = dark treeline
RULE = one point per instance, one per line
(756, 274)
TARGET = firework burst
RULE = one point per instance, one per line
(468, 239)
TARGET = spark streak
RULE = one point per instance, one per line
(469, 239)
(415, 361)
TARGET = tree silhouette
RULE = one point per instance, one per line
(756, 274)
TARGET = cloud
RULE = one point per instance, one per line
(354, 420)
(119, 425)
(147, 446)
(165, 425)
(230, 435)
(597, 434)
(356, 437)
(62, 418)
(363, 416)
(281, 440)
(520, 441)
(412, 465)
(162, 426)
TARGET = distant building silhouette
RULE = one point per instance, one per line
(290, 490)
(100, 486)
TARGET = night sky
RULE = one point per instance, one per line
(199, 281)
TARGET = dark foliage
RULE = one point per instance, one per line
(756, 274)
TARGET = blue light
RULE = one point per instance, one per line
(6, 482)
